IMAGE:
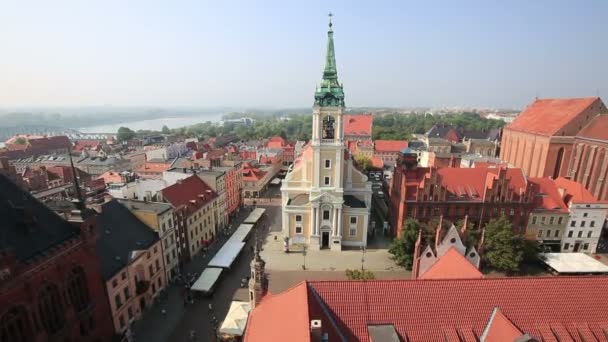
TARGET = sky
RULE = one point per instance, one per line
(487, 53)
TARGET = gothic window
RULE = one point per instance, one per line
(14, 326)
(77, 289)
(328, 127)
(558, 163)
(50, 309)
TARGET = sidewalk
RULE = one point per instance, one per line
(156, 326)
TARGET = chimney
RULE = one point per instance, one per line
(315, 330)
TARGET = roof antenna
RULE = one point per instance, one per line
(80, 203)
(536, 97)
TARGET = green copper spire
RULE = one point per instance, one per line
(330, 92)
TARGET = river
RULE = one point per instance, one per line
(153, 124)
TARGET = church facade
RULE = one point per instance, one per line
(325, 200)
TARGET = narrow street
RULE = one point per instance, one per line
(180, 319)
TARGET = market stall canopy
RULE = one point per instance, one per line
(236, 319)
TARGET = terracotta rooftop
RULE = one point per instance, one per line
(433, 310)
(597, 129)
(452, 265)
(547, 195)
(390, 145)
(358, 124)
(111, 177)
(191, 192)
(500, 328)
(575, 192)
(549, 116)
(377, 162)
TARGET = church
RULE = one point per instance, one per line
(325, 200)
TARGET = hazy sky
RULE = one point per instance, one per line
(250, 53)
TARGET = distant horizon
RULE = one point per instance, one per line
(192, 54)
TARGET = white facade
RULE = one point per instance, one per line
(168, 235)
(584, 227)
(167, 152)
(142, 189)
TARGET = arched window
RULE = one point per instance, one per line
(14, 326)
(558, 162)
(328, 127)
(50, 309)
(77, 289)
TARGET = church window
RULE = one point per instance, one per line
(353, 220)
(327, 181)
(298, 229)
(77, 289)
(14, 325)
(50, 309)
(327, 164)
(328, 127)
(326, 214)
(299, 218)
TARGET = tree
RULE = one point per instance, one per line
(364, 163)
(359, 274)
(125, 134)
(165, 130)
(402, 249)
(503, 250)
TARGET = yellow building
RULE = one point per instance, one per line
(325, 200)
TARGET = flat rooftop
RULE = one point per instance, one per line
(156, 207)
(573, 263)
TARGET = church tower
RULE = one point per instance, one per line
(257, 281)
(326, 200)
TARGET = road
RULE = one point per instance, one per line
(180, 319)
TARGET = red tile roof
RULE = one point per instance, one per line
(575, 192)
(191, 192)
(472, 182)
(111, 177)
(80, 145)
(377, 162)
(262, 322)
(422, 310)
(596, 129)
(549, 116)
(452, 265)
(389, 145)
(547, 196)
(500, 328)
(276, 142)
(358, 124)
(154, 167)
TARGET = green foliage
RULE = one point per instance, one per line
(531, 248)
(165, 130)
(400, 126)
(125, 134)
(402, 249)
(20, 141)
(503, 250)
(359, 274)
(364, 163)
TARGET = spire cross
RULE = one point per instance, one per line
(330, 15)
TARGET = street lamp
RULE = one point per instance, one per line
(362, 257)
(304, 255)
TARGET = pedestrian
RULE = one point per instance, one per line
(210, 307)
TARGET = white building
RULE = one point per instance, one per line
(325, 199)
(587, 217)
(167, 152)
(142, 189)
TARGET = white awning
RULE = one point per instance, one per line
(241, 233)
(227, 254)
(255, 216)
(236, 319)
(573, 263)
(207, 280)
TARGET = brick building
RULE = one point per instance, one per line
(542, 138)
(51, 287)
(479, 193)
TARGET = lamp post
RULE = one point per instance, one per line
(362, 257)
(304, 255)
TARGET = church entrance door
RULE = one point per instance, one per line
(324, 239)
